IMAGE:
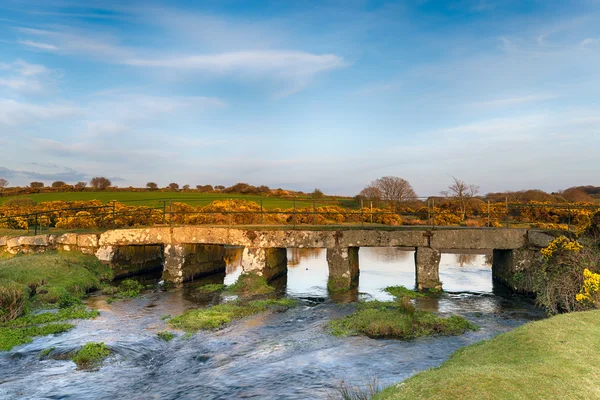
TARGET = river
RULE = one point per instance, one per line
(285, 355)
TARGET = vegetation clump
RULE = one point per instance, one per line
(401, 291)
(250, 285)
(567, 277)
(129, 288)
(397, 320)
(564, 348)
(23, 329)
(211, 288)
(217, 316)
(11, 336)
(166, 336)
(91, 355)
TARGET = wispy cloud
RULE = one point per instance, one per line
(38, 45)
(514, 101)
(25, 77)
(13, 112)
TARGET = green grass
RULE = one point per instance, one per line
(51, 275)
(556, 358)
(166, 336)
(401, 291)
(156, 199)
(397, 320)
(91, 355)
(11, 337)
(64, 314)
(250, 285)
(217, 316)
(45, 353)
(211, 288)
(23, 329)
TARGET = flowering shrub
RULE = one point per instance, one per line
(560, 245)
(589, 293)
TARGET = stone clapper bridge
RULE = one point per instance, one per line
(188, 252)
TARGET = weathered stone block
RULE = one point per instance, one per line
(269, 263)
(427, 263)
(87, 243)
(184, 262)
(515, 268)
(343, 268)
(539, 239)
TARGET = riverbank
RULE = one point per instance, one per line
(553, 358)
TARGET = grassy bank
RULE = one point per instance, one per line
(45, 280)
(557, 358)
(51, 277)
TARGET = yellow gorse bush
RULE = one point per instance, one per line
(589, 291)
(560, 244)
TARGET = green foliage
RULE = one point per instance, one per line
(67, 300)
(397, 320)
(211, 288)
(22, 330)
(555, 358)
(129, 288)
(344, 391)
(46, 352)
(64, 314)
(216, 316)
(91, 355)
(166, 336)
(401, 291)
(11, 337)
(13, 299)
(250, 285)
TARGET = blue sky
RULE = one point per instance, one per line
(302, 95)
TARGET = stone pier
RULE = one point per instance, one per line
(343, 268)
(268, 262)
(184, 262)
(427, 267)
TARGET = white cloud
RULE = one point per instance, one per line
(25, 77)
(38, 45)
(515, 101)
(14, 113)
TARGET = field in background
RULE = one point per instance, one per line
(156, 199)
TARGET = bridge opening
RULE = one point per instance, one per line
(147, 260)
(307, 272)
(385, 266)
(466, 271)
(233, 263)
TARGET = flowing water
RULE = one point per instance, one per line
(285, 355)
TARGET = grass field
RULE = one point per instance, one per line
(556, 358)
(156, 199)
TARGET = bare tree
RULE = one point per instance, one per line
(36, 185)
(100, 183)
(151, 186)
(371, 193)
(462, 193)
(3, 183)
(186, 187)
(80, 185)
(58, 184)
(393, 189)
(173, 186)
